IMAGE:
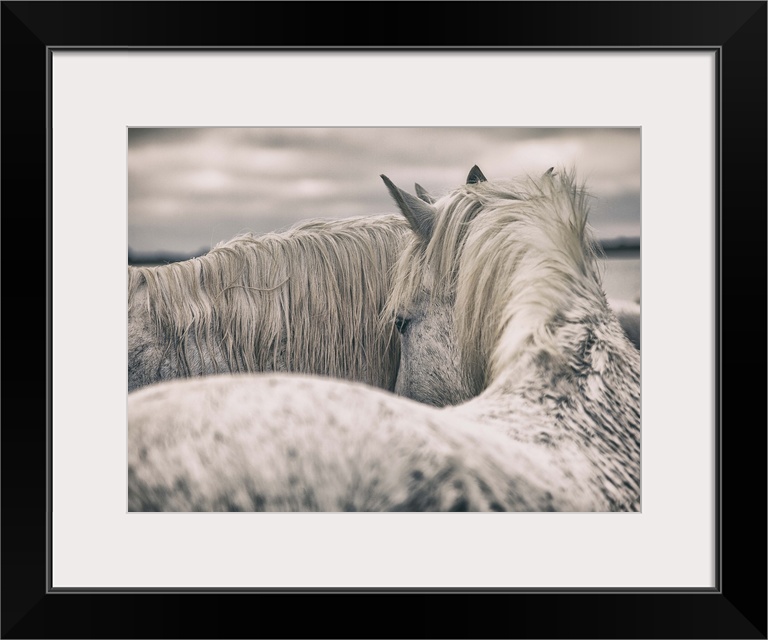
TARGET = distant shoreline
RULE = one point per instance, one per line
(623, 252)
(612, 249)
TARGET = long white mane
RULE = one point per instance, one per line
(510, 253)
(305, 300)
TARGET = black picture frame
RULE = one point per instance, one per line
(736, 608)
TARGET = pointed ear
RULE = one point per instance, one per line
(424, 194)
(549, 172)
(420, 214)
(475, 176)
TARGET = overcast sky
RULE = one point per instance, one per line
(189, 189)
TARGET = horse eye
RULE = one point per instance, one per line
(401, 323)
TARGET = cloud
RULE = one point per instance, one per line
(190, 188)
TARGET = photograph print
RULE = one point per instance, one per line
(384, 319)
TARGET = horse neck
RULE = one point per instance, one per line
(587, 386)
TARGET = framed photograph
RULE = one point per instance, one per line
(124, 122)
(317, 285)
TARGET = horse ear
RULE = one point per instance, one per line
(549, 172)
(475, 176)
(420, 214)
(424, 194)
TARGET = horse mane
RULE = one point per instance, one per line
(514, 257)
(311, 294)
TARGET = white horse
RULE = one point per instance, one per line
(627, 311)
(498, 299)
(306, 300)
(628, 314)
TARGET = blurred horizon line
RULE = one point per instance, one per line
(610, 246)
